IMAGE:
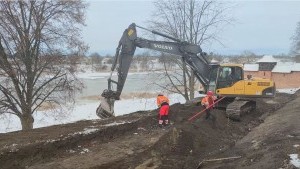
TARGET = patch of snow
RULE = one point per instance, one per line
(89, 131)
(288, 91)
(71, 151)
(85, 131)
(133, 105)
(85, 150)
(10, 146)
(286, 67)
(141, 128)
(14, 150)
(214, 61)
(296, 67)
(13, 147)
(295, 160)
(251, 67)
(296, 145)
(267, 58)
(115, 123)
(280, 67)
(271, 102)
(51, 141)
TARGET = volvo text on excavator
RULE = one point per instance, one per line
(225, 80)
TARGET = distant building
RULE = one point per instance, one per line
(284, 74)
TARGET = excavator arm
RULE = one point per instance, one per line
(190, 53)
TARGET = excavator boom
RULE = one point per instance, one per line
(191, 53)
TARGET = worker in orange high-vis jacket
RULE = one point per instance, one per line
(163, 103)
(208, 102)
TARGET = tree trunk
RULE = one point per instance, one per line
(186, 96)
(192, 85)
(27, 122)
(191, 37)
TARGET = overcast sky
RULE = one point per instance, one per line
(263, 27)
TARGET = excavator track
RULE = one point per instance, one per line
(238, 108)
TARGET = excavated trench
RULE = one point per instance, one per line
(133, 141)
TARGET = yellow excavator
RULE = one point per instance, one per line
(225, 80)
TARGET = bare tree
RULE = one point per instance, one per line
(144, 60)
(96, 60)
(198, 22)
(297, 58)
(245, 57)
(169, 61)
(172, 80)
(296, 41)
(33, 36)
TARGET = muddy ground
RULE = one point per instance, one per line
(262, 139)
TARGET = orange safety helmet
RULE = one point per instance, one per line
(210, 93)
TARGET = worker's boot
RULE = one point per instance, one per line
(166, 123)
(207, 115)
(160, 123)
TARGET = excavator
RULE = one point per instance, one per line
(225, 80)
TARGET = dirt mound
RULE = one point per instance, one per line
(135, 140)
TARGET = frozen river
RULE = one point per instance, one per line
(135, 82)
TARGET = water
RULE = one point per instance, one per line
(134, 83)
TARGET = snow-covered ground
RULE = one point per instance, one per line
(295, 161)
(289, 91)
(85, 109)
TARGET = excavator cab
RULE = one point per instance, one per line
(223, 76)
(228, 80)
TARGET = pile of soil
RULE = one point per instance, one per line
(136, 141)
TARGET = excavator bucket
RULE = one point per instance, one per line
(106, 108)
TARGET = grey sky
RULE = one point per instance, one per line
(263, 27)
